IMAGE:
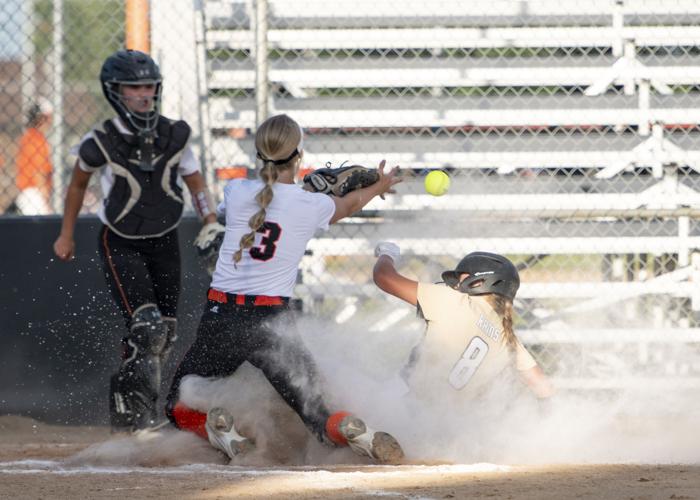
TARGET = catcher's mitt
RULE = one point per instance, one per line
(208, 242)
(340, 181)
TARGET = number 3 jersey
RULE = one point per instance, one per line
(464, 348)
(270, 266)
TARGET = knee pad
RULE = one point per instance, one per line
(147, 330)
(170, 338)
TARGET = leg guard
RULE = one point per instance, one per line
(134, 389)
(170, 338)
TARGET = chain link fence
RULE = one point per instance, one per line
(569, 130)
(50, 56)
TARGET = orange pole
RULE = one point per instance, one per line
(137, 25)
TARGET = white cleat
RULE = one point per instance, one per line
(222, 433)
(380, 446)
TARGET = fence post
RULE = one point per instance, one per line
(209, 171)
(60, 168)
(137, 25)
(261, 69)
(29, 70)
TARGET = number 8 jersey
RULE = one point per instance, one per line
(270, 267)
(464, 348)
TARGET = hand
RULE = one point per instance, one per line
(208, 242)
(389, 249)
(209, 235)
(64, 248)
(387, 181)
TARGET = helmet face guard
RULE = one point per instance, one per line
(488, 273)
(131, 67)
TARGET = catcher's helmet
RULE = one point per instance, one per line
(131, 67)
(488, 273)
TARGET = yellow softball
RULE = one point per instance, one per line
(437, 182)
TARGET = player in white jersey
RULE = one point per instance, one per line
(469, 340)
(268, 225)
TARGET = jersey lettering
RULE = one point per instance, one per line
(466, 367)
(488, 328)
(271, 232)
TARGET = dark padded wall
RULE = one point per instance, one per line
(59, 330)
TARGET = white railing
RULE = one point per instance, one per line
(465, 38)
(372, 11)
(352, 74)
(654, 152)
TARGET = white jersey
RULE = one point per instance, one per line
(271, 265)
(189, 164)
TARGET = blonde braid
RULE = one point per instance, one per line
(278, 138)
(269, 174)
(504, 308)
(511, 340)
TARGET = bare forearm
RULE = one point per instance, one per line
(201, 197)
(360, 198)
(74, 201)
(389, 280)
(383, 268)
(354, 201)
(538, 382)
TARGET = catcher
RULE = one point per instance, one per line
(142, 158)
(469, 340)
(246, 318)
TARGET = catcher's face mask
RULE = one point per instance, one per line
(133, 68)
(139, 99)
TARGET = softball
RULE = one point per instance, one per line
(437, 182)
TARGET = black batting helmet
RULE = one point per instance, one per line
(488, 273)
(131, 67)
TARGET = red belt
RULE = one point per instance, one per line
(245, 300)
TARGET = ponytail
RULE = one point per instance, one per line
(278, 142)
(504, 308)
(268, 174)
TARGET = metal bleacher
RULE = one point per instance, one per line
(569, 128)
(616, 54)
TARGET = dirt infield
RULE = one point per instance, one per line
(42, 461)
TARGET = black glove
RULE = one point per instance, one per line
(208, 242)
(340, 181)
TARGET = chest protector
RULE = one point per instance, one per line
(141, 203)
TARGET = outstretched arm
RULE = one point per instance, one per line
(64, 246)
(387, 278)
(538, 382)
(356, 200)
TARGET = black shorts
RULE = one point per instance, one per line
(260, 330)
(141, 271)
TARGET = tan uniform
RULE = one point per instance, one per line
(464, 348)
